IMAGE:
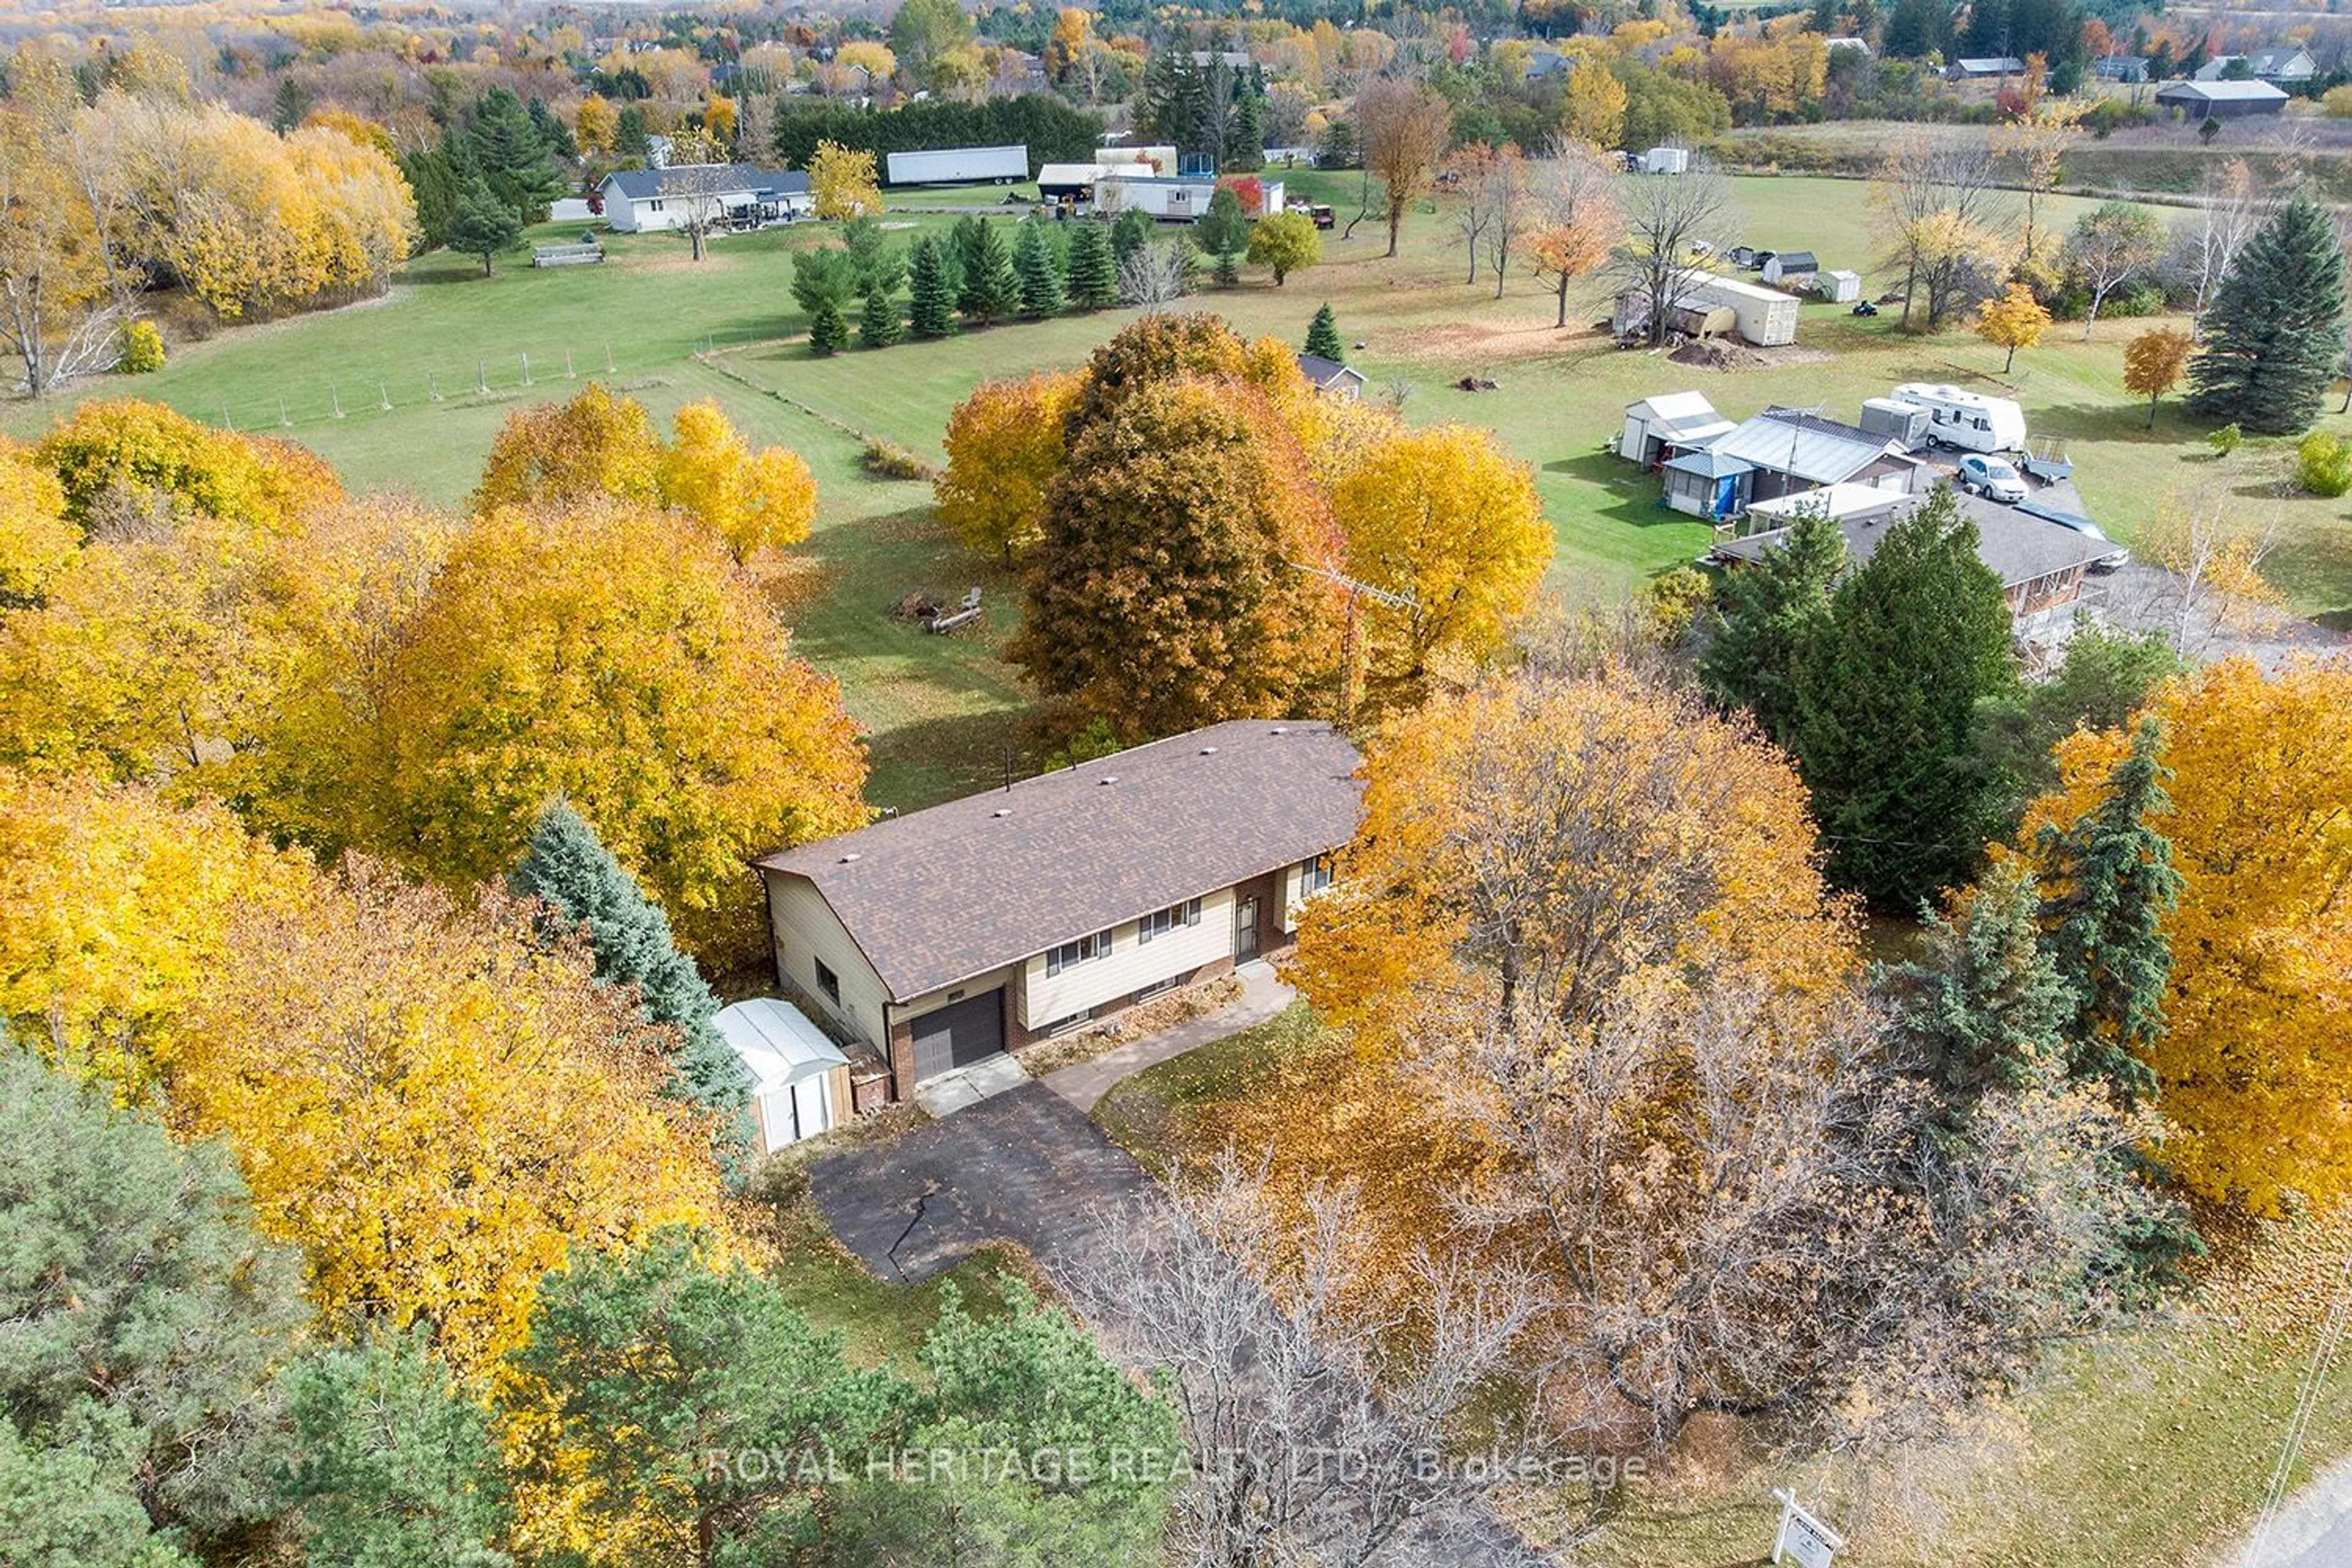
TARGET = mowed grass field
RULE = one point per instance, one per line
(943, 712)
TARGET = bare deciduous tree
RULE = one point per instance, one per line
(2113, 244)
(1321, 1426)
(1507, 190)
(694, 183)
(1156, 275)
(2205, 244)
(1575, 218)
(1668, 217)
(1473, 212)
(1947, 216)
(2213, 592)
(1402, 126)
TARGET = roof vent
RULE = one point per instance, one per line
(1002, 811)
(853, 855)
(1208, 751)
(1109, 778)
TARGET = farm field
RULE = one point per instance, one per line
(943, 712)
(2146, 1449)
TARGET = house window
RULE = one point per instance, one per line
(1313, 876)
(1187, 914)
(1070, 954)
(829, 983)
(654, 205)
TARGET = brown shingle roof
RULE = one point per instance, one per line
(944, 894)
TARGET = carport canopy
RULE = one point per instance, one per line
(777, 1043)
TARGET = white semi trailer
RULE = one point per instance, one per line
(959, 166)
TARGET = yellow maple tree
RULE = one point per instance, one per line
(434, 1105)
(2254, 1070)
(2011, 320)
(753, 500)
(638, 672)
(1445, 519)
(842, 182)
(35, 539)
(1004, 444)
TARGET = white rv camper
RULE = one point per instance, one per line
(1968, 420)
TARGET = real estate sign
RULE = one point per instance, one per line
(1803, 1540)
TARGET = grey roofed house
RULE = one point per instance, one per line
(1804, 445)
(1069, 852)
(1330, 375)
(2120, 68)
(2039, 563)
(640, 184)
(1969, 66)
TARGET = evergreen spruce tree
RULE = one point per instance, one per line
(1186, 257)
(2275, 330)
(933, 287)
(2106, 923)
(1982, 1004)
(569, 868)
(483, 224)
(1094, 269)
(1886, 716)
(828, 331)
(1323, 336)
(1130, 232)
(507, 149)
(1040, 272)
(1228, 271)
(969, 247)
(992, 288)
(1245, 146)
(879, 325)
(1765, 614)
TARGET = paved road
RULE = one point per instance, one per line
(2314, 1530)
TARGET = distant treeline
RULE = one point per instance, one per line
(1052, 130)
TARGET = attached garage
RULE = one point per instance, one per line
(800, 1079)
(959, 1033)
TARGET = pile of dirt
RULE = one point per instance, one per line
(1473, 383)
(1730, 353)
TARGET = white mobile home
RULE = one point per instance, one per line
(959, 166)
(1968, 420)
(1766, 317)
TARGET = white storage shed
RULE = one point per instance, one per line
(1666, 160)
(1839, 287)
(1683, 420)
(800, 1079)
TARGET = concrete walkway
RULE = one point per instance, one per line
(1263, 996)
(2312, 1531)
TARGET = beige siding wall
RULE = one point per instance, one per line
(1132, 966)
(806, 931)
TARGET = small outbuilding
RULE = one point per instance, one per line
(1984, 67)
(1671, 421)
(1838, 287)
(1330, 376)
(799, 1079)
(1791, 267)
(1704, 483)
(1666, 160)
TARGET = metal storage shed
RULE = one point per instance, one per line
(1680, 419)
(1705, 484)
(800, 1079)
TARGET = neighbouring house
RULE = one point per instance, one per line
(1544, 60)
(942, 937)
(1115, 185)
(2126, 68)
(2264, 65)
(1984, 67)
(1787, 450)
(1859, 45)
(1656, 428)
(799, 1079)
(1328, 375)
(643, 200)
(2284, 66)
(2202, 100)
(2041, 563)
(1793, 268)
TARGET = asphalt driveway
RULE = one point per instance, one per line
(1025, 1167)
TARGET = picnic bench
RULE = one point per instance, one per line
(962, 615)
(566, 255)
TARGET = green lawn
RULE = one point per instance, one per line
(2148, 1449)
(943, 711)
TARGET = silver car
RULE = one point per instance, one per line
(1992, 477)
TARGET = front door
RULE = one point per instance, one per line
(1244, 929)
